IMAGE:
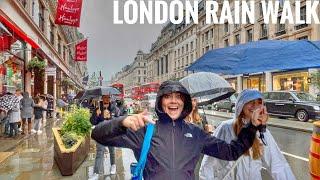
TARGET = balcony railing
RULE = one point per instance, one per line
(300, 26)
(281, 32)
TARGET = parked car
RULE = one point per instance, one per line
(227, 104)
(300, 105)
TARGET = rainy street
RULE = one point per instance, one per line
(33, 157)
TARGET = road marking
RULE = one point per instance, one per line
(295, 156)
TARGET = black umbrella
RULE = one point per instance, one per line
(207, 87)
(99, 91)
(8, 101)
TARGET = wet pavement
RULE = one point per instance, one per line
(33, 159)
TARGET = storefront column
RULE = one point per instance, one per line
(239, 83)
(54, 93)
(312, 88)
(28, 75)
(268, 81)
(45, 86)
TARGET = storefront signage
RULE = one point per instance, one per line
(68, 12)
(81, 51)
(51, 71)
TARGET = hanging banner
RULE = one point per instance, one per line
(81, 51)
(69, 12)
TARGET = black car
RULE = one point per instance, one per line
(226, 104)
(300, 105)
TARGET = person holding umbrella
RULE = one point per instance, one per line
(175, 145)
(104, 112)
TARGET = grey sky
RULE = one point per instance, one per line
(110, 46)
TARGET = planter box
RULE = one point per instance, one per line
(68, 160)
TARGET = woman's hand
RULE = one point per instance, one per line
(259, 116)
(137, 121)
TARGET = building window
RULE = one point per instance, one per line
(24, 3)
(182, 51)
(303, 17)
(226, 42)
(32, 9)
(226, 27)
(51, 33)
(178, 52)
(139, 72)
(162, 65)
(41, 16)
(182, 62)
(191, 45)
(249, 35)
(303, 38)
(237, 39)
(175, 54)
(264, 31)
(260, 10)
(59, 45)
(280, 27)
(187, 48)
(191, 57)
(144, 71)
(167, 64)
(187, 60)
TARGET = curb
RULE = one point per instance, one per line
(272, 124)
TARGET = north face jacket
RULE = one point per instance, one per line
(176, 145)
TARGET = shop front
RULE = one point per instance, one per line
(12, 67)
(296, 81)
(254, 82)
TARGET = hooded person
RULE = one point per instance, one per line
(249, 166)
(26, 105)
(176, 145)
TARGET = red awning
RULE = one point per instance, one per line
(18, 32)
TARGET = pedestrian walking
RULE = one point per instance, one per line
(14, 118)
(105, 112)
(175, 145)
(26, 105)
(19, 95)
(262, 154)
(38, 112)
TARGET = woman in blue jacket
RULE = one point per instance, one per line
(176, 145)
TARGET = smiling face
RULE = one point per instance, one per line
(106, 100)
(249, 107)
(173, 104)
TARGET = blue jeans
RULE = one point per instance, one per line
(99, 161)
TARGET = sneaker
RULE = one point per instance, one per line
(33, 131)
(94, 176)
(39, 132)
(113, 169)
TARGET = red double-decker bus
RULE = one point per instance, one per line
(138, 92)
(119, 86)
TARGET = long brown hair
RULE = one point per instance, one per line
(257, 148)
(194, 116)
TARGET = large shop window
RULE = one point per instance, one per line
(12, 68)
(255, 82)
(291, 81)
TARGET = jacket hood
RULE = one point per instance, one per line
(244, 97)
(169, 87)
(25, 95)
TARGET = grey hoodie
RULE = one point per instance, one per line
(26, 105)
(176, 145)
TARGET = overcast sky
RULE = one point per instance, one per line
(110, 47)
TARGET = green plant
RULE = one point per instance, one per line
(77, 121)
(36, 64)
(69, 139)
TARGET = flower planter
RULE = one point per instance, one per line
(68, 160)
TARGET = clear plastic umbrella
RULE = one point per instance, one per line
(207, 87)
(8, 101)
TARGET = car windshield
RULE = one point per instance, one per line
(233, 98)
(304, 96)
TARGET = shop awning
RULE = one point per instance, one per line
(17, 32)
(260, 56)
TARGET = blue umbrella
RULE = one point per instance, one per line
(260, 56)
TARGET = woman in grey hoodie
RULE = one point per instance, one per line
(27, 105)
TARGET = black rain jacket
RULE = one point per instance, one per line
(176, 145)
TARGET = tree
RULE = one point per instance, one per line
(315, 79)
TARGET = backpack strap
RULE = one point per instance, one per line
(138, 171)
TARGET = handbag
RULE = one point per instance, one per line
(137, 168)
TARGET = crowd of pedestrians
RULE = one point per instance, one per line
(26, 116)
